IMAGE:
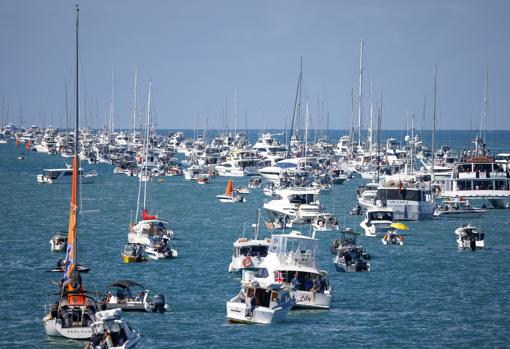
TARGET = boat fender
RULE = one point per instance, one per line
(247, 262)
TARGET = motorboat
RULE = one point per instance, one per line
(255, 182)
(160, 248)
(298, 205)
(242, 190)
(129, 295)
(202, 179)
(63, 176)
(259, 305)
(458, 208)
(325, 222)
(480, 178)
(61, 264)
(230, 195)
(377, 220)
(134, 253)
(193, 172)
(409, 196)
(392, 236)
(348, 240)
(351, 259)
(469, 236)
(112, 329)
(292, 262)
(249, 253)
(59, 241)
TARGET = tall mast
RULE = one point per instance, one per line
(147, 144)
(296, 107)
(235, 113)
(483, 128)
(360, 92)
(371, 129)
(134, 106)
(379, 117)
(434, 123)
(111, 107)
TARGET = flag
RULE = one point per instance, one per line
(280, 279)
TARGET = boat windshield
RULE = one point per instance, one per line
(380, 216)
(254, 251)
(302, 199)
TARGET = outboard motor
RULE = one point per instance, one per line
(158, 303)
(472, 244)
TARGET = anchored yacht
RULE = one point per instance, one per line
(292, 262)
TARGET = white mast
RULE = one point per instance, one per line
(134, 106)
(371, 129)
(360, 92)
(235, 113)
(111, 106)
(147, 143)
(483, 126)
(434, 123)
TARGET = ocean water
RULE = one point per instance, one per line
(426, 293)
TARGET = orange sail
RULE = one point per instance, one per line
(71, 277)
(27, 144)
(229, 190)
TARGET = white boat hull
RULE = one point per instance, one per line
(311, 300)
(53, 327)
(238, 312)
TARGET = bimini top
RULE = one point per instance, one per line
(124, 284)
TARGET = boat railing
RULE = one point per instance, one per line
(300, 258)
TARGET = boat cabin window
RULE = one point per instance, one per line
(483, 185)
(261, 273)
(380, 216)
(254, 251)
(463, 185)
(396, 194)
(301, 199)
(502, 185)
(276, 197)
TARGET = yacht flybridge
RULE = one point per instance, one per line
(292, 262)
(480, 178)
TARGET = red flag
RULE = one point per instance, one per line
(279, 279)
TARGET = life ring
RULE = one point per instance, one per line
(247, 262)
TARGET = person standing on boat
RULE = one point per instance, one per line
(295, 283)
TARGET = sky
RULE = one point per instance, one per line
(198, 52)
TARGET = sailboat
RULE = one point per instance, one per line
(230, 195)
(73, 314)
(151, 231)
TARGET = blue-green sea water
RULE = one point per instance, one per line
(426, 293)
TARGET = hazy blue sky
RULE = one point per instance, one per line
(197, 52)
